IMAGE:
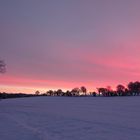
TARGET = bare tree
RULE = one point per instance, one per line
(59, 92)
(50, 93)
(134, 88)
(75, 91)
(2, 66)
(83, 90)
(102, 91)
(37, 92)
(120, 89)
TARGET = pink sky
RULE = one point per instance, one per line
(51, 44)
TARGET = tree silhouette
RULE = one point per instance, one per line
(59, 92)
(75, 91)
(120, 89)
(68, 93)
(37, 92)
(102, 91)
(83, 90)
(109, 91)
(2, 66)
(50, 93)
(134, 88)
(93, 94)
(2, 70)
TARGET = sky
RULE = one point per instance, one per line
(51, 44)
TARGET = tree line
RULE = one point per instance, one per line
(132, 89)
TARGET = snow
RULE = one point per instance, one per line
(70, 118)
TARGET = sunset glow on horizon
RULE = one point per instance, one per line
(66, 44)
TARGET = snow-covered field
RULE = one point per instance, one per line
(70, 118)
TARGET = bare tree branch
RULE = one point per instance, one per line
(2, 66)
